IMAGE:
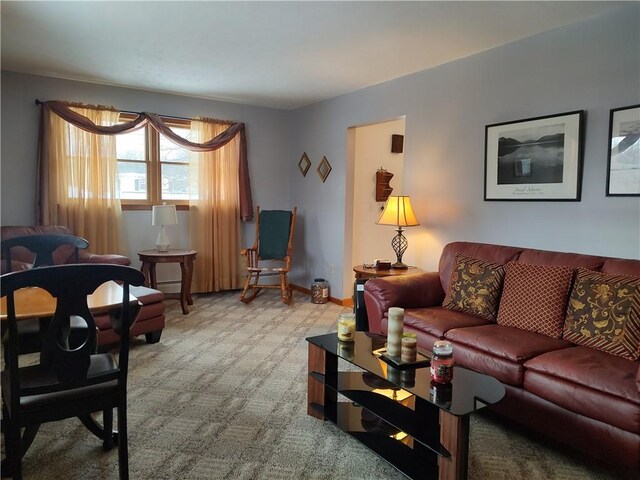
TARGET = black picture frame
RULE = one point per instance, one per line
(623, 166)
(535, 159)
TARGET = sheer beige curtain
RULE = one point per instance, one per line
(214, 207)
(61, 109)
(79, 184)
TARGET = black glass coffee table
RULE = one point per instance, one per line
(421, 428)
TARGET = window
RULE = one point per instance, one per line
(152, 169)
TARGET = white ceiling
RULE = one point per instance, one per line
(274, 54)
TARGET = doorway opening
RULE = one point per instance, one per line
(369, 149)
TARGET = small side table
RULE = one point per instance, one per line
(362, 275)
(363, 272)
(185, 258)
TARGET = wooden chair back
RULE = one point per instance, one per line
(42, 247)
(61, 366)
(70, 380)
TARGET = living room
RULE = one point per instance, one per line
(590, 65)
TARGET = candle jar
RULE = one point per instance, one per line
(346, 327)
(395, 327)
(442, 362)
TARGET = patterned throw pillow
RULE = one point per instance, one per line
(534, 297)
(604, 313)
(475, 287)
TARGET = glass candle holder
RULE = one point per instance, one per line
(442, 362)
(346, 327)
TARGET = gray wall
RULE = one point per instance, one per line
(592, 66)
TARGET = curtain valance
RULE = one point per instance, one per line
(145, 118)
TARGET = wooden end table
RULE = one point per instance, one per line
(185, 258)
(363, 272)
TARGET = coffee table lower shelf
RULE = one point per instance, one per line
(397, 414)
(421, 454)
(404, 453)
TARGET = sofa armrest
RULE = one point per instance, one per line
(112, 258)
(405, 291)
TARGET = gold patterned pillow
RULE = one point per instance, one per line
(604, 313)
(475, 287)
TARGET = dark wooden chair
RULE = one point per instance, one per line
(42, 247)
(67, 382)
(271, 253)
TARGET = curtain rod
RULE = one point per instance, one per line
(38, 102)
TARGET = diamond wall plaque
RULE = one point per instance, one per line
(304, 164)
(324, 169)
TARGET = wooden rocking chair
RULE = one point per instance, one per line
(273, 244)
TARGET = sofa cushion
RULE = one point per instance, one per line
(534, 297)
(438, 320)
(475, 287)
(604, 313)
(500, 351)
(588, 382)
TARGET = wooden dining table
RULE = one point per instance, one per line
(34, 302)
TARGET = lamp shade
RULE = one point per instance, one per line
(398, 212)
(164, 215)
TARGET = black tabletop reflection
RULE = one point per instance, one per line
(468, 391)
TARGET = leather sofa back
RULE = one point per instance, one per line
(492, 253)
(502, 254)
(560, 259)
(621, 266)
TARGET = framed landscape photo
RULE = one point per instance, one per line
(534, 159)
(623, 164)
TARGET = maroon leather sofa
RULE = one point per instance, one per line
(150, 321)
(584, 398)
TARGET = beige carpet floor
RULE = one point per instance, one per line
(223, 396)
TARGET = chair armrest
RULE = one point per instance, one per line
(405, 291)
(251, 255)
(638, 378)
(113, 258)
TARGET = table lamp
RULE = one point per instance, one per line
(163, 215)
(398, 212)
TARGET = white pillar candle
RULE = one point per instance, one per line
(395, 327)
